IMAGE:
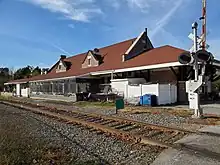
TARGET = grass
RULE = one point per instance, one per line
(58, 102)
(5, 97)
(94, 104)
(207, 120)
(17, 148)
(84, 104)
(128, 109)
(180, 112)
(157, 110)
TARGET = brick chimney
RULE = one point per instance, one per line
(62, 57)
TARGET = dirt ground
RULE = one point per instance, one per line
(25, 141)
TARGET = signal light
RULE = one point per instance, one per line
(186, 58)
(203, 56)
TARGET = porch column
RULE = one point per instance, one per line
(76, 87)
(112, 75)
(52, 86)
(63, 88)
(18, 90)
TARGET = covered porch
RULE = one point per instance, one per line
(67, 88)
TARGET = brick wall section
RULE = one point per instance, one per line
(167, 76)
(94, 62)
(163, 76)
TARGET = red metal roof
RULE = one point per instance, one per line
(113, 60)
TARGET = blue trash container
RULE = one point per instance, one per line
(148, 99)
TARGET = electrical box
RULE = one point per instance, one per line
(193, 100)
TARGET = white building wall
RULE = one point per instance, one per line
(150, 89)
(134, 91)
(18, 90)
(121, 85)
(166, 93)
(25, 92)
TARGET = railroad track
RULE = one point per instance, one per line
(125, 129)
(159, 137)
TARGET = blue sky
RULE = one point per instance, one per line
(36, 32)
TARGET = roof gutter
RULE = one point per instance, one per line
(157, 66)
(52, 79)
(137, 68)
(102, 72)
(61, 78)
(22, 82)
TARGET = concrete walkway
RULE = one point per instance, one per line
(199, 150)
(213, 109)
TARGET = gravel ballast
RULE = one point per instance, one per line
(165, 119)
(27, 138)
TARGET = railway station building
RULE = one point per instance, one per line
(93, 70)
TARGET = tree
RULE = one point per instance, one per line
(7, 74)
(4, 77)
(36, 71)
(22, 73)
(27, 72)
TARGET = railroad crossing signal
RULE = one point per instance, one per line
(190, 58)
(195, 57)
(186, 58)
(199, 41)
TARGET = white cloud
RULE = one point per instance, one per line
(166, 18)
(77, 10)
(114, 3)
(142, 4)
(157, 13)
(165, 37)
(149, 5)
(154, 14)
(59, 48)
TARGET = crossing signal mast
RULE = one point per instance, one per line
(203, 18)
(198, 57)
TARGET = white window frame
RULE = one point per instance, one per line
(89, 60)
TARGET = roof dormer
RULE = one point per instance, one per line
(140, 45)
(93, 58)
(61, 67)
